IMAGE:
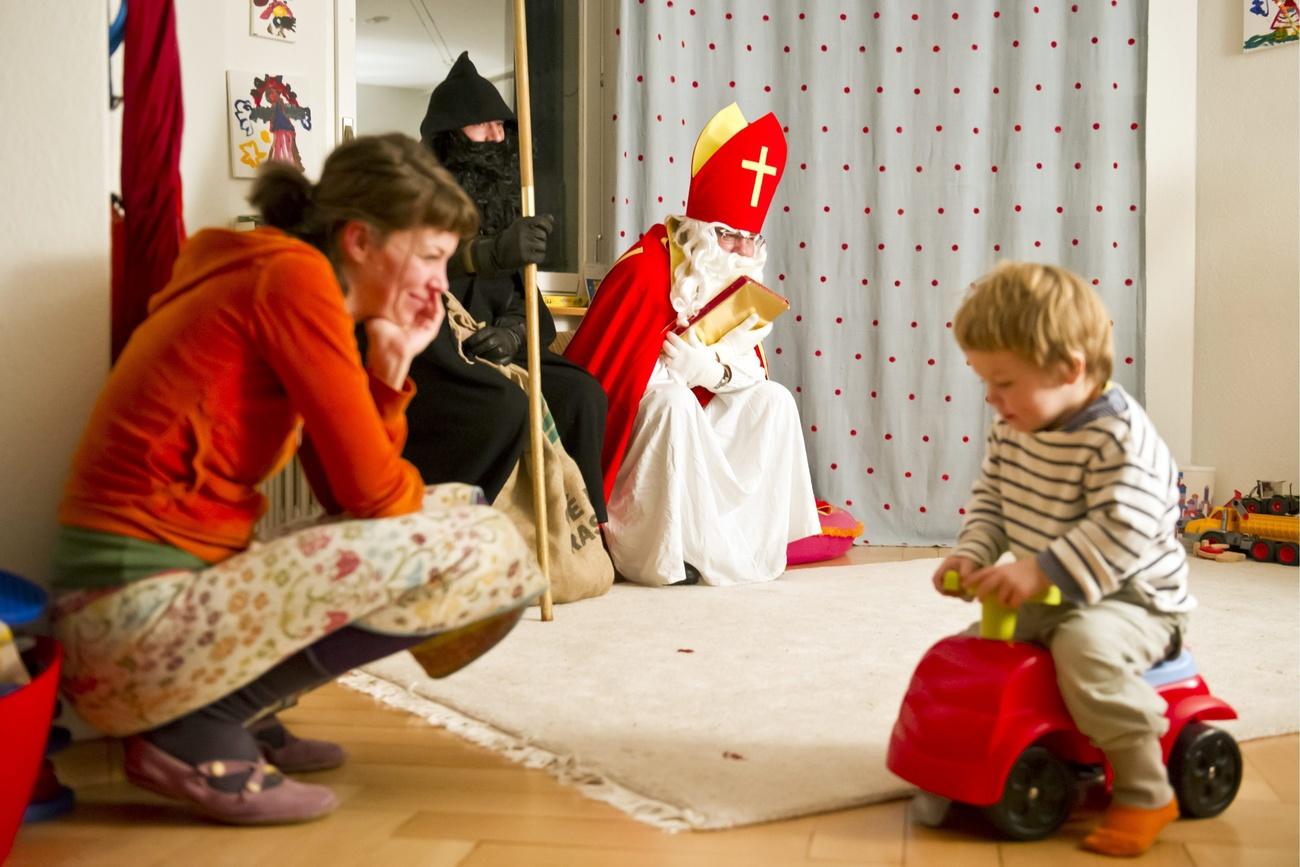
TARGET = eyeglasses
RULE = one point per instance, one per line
(732, 238)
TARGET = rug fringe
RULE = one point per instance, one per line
(568, 769)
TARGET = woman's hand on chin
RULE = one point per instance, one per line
(391, 346)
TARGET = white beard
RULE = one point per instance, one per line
(706, 269)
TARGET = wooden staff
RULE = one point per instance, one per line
(528, 209)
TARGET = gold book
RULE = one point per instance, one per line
(732, 306)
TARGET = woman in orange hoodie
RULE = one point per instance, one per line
(181, 632)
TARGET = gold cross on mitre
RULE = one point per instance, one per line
(760, 170)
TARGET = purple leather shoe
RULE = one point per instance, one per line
(255, 803)
(297, 755)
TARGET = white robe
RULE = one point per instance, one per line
(723, 487)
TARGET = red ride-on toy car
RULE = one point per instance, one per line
(983, 723)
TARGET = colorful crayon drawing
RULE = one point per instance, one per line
(272, 19)
(1267, 23)
(267, 116)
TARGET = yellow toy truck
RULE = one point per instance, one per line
(1266, 537)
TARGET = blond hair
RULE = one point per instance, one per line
(1042, 313)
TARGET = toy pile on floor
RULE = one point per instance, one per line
(1262, 525)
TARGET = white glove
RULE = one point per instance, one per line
(741, 340)
(690, 361)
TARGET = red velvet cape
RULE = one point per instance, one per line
(621, 335)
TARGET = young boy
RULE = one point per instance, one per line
(1077, 484)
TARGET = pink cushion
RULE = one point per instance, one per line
(839, 529)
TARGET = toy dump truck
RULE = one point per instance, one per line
(1266, 537)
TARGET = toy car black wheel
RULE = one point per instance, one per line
(1036, 799)
(1212, 538)
(1205, 770)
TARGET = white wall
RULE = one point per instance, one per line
(383, 109)
(1169, 321)
(1246, 400)
(213, 38)
(54, 262)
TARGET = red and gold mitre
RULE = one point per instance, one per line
(735, 169)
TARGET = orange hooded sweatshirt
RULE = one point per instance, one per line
(247, 345)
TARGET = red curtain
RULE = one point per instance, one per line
(152, 122)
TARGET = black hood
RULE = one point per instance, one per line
(464, 98)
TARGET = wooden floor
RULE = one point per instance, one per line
(415, 795)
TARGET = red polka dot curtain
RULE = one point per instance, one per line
(927, 141)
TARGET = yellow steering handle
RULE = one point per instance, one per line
(997, 620)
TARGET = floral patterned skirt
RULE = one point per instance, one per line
(148, 652)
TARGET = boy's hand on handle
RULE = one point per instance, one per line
(1011, 584)
(962, 566)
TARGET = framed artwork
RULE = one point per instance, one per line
(270, 119)
(273, 19)
(1267, 23)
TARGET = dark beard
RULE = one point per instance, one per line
(488, 172)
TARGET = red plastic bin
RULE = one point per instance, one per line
(25, 716)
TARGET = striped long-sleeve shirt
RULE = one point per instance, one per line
(1095, 502)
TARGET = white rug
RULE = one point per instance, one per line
(699, 707)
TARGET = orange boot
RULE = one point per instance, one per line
(1129, 831)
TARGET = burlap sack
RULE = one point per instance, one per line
(579, 565)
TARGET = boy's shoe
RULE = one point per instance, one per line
(1129, 831)
(266, 796)
(292, 754)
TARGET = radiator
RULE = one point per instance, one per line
(289, 502)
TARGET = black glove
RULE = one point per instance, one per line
(495, 343)
(522, 243)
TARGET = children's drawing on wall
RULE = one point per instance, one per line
(270, 119)
(272, 19)
(1269, 23)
